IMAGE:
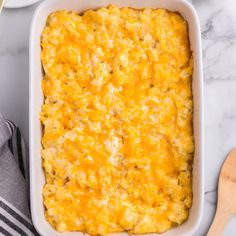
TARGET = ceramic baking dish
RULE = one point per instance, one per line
(36, 100)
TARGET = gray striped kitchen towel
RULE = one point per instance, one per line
(14, 205)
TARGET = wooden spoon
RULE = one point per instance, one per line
(226, 204)
(1, 5)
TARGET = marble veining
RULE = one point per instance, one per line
(218, 23)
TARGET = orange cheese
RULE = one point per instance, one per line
(117, 117)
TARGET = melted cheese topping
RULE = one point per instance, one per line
(117, 117)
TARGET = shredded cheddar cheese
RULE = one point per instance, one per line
(117, 120)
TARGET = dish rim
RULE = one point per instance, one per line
(19, 5)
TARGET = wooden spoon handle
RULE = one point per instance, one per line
(222, 217)
(1, 5)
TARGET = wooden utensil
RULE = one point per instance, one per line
(226, 204)
(1, 5)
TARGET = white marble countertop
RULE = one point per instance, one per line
(218, 22)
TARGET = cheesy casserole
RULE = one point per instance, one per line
(117, 120)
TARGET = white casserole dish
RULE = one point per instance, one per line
(36, 100)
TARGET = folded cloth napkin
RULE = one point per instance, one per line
(14, 205)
